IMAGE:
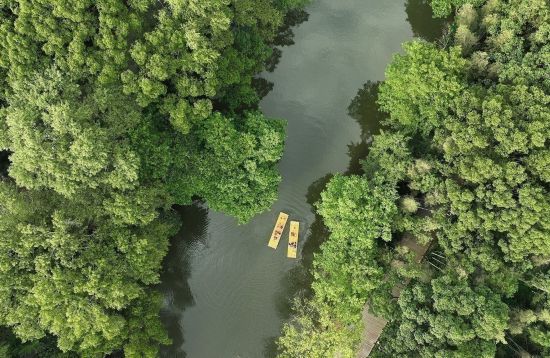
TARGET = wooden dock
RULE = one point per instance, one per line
(278, 230)
(293, 239)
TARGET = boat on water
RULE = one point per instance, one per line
(293, 239)
(278, 230)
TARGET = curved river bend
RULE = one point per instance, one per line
(226, 293)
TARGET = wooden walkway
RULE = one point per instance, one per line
(373, 325)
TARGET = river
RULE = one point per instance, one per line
(226, 293)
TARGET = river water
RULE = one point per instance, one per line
(226, 293)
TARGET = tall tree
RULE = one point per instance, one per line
(111, 112)
(463, 163)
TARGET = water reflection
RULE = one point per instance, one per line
(176, 272)
(297, 282)
(285, 37)
(364, 109)
(423, 25)
(243, 290)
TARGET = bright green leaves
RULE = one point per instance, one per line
(237, 166)
(444, 8)
(315, 333)
(494, 134)
(67, 275)
(58, 141)
(421, 84)
(389, 158)
(111, 112)
(355, 208)
(449, 316)
(348, 269)
(186, 54)
(489, 136)
(488, 314)
(486, 197)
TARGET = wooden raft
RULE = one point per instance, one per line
(278, 230)
(293, 239)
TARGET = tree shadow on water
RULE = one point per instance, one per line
(297, 282)
(176, 270)
(364, 109)
(423, 24)
(284, 37)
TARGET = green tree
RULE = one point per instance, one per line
(421, 85)
(463, 164)
(481, 198)
(443, 8)
(447, 318)
(112, 112)
(347, 270)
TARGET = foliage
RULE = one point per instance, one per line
(463, 164)
(346, 270)
(315, 333)
(112, 112)
(10, 347)
(69, 272)
(412, 80)
(447, 318)
(356, 213)
(442, 8)
(488, 206)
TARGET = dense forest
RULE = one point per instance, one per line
(462, 167)
(111, 113)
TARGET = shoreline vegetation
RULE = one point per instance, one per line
(111, 114)
(463, 162)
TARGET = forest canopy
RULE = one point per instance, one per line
(111, 113)
(462, 168)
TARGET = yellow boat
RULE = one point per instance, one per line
(293, 239)
(278, 230)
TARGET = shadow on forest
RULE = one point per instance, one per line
(176, 272)
(422, 25)
(285, 36)
(4, 163)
